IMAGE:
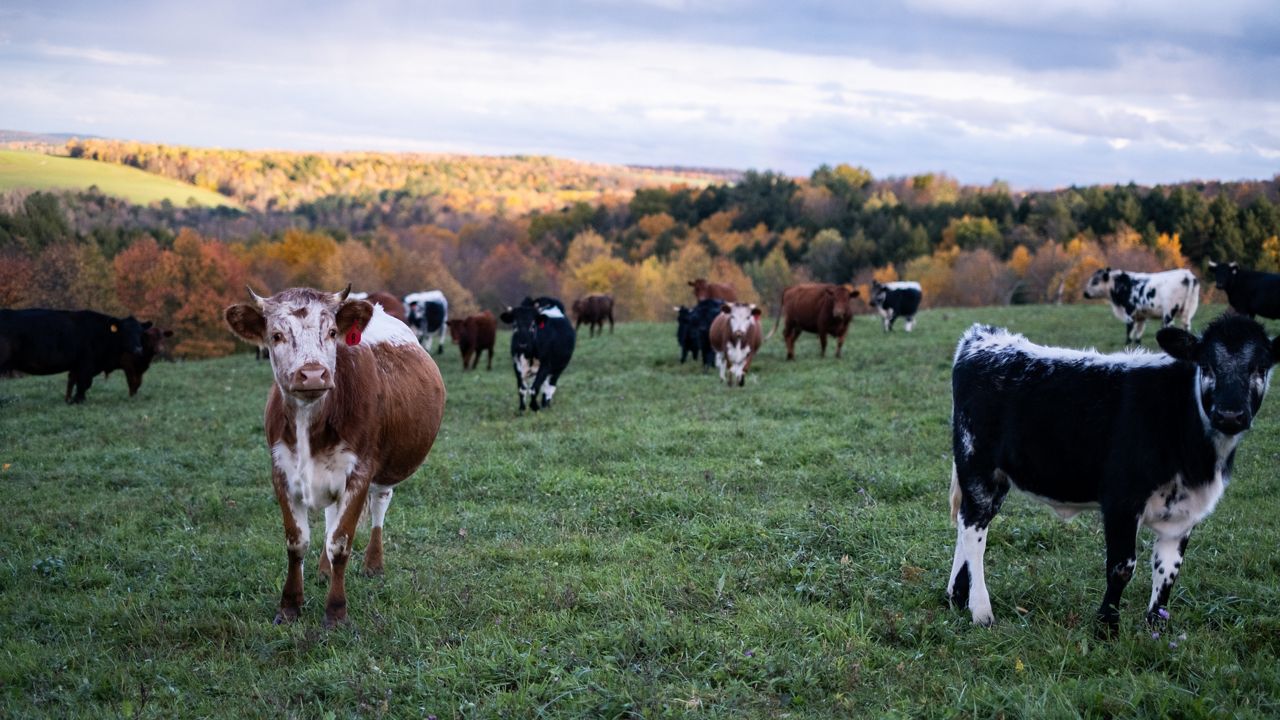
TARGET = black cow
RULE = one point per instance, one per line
(1249, 292)
(1148, 438)
(81, 343)
(693, 330)
(542, 343)
(896, 300)
(427, 314)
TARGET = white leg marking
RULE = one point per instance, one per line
(974, 542)
(1138, 327)
(911, 323)
(547, 391)
(379, 500)
(299, 511)
(330, 524)
(1166, 561)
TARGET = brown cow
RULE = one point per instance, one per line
(735, 338)
(390, 304)
(703, 290)
(354, 409)
(474, 334)
(820, 308)
(593, 310)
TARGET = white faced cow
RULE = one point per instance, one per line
(1167, 296)
(1148, 438)
(354, 409)
(735, 338)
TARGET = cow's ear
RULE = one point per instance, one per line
(247, 321)
(353, 314)
(168, 333)
(756, 312)
(853, 291)
(726, 309)
(147, 325)
(1179, 343)
(506, 316)
(1212, 264)
(1234, 268)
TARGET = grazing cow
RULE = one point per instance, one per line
(693, 330)
(735, 338)
(81, 343)
(427, 313)
(820, 308)
(542, 343)
(135, 365)
(1249, 292)
(474, 334)
(354, 409)
(593, 310)
(896, 300)
(703, 290)
(1137, 297)
(1148, 438)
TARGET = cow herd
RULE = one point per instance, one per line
(357, 401)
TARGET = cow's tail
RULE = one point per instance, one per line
(776, 321)
(955, 495)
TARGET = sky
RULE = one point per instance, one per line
(1036, 94)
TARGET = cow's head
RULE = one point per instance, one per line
(455, 330)
(1099, 284)
(303, 328)
(1223, 274)
(841, 297)
(1233, 362)
(525, 320)
(135, 365)
(700, 289)
(878, 294)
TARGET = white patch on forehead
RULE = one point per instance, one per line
(740, 318)
(999, 344)
(383, 328)
(552, 312)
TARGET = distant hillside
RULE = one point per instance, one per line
(483, 185)
(38, 171)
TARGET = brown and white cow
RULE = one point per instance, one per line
(719, 291)
(593, 310)
(735, 338)
(354, 409)
(821, 308)
(390, 304)
(473, 335)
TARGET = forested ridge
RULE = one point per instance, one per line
(490, 230)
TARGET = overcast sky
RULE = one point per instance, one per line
(1039, 94)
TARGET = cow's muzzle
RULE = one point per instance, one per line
(1229, 422)
(311, 381)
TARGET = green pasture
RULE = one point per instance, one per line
(19, 169)
(654, 545)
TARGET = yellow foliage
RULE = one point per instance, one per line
(1020, 260)
(1169, 250)
(654, 225)
(886, 274)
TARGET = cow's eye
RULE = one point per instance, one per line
(333, 332)
(277, 338)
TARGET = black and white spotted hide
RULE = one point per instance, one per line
(542, 342)
(1147, 438)
(1170, 296)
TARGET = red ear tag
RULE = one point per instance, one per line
(542, 324)
(353, 336)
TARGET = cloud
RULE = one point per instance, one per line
(99, 56)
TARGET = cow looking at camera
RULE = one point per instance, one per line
(693, 330)
(593, 310)
(473, 335)
(353, 410)
(821, 308)
(1150, 439)
(542, 341)
(1170, 296)
(735, 338)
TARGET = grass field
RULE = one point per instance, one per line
(653, 545)
(38, 171)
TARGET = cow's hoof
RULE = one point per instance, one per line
(334, 618)
(372, 570)
(1157, 618)
(285, 616)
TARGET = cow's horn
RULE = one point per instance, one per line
(341, 296)
(1212, 264)
(256, 297)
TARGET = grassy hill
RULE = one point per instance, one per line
(653, 545)
(19, 169)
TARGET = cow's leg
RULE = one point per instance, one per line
(549, 387)
(721, 364)
(888, 321)
(338, 547)
(379, 501)
(520, 389)
(490, 366)
(297, 538)
(910, 323)
(538, 380)
(789, 335)
(980, 496)
(840, 344)
(822, 344)
(1138, 326)
(1166, 561)
(71, 382)
(330, 524)
(1121, 527)
(610, 323)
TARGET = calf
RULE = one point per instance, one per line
(542, 343)
(593, 310)
(896, 300)
(820, 308)
(427, 313)
(354, 409)
(474, 334)
(1137, 297)
(693, 330)
(1249, 292)
(735, 338)
(703, 290)
(81, 343)
(1148, 438)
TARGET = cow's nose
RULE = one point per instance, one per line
(312, 376)
(1230, 421)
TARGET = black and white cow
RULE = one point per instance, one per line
(427, 314)
(693, 330)
(1148, 438)
(542, 343)
(1248, 291)
(895, 300)
(1172, 295)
